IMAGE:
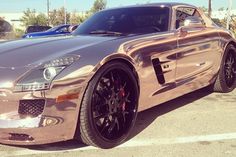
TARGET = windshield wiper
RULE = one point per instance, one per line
(104, 32)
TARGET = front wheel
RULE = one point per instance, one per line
(226, 80)
(109, 106)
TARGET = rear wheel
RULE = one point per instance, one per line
(109, 107)
(226, 80)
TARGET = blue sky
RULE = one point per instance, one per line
(83, 5)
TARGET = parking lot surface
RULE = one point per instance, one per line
(200, 124)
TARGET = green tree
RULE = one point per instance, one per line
(57, 17)
(221, 9)
(218, 22)
(18, 33)
(98, 5)
(204, 9)
(30, 17)
(42, 19)
(223, 22)
(76, 18)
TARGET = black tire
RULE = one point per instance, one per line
(226, 79)
(109, 107)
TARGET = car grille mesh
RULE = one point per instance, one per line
(32, 108)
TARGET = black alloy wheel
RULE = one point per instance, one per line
(226, 79)
(230, 69)
(109, 107)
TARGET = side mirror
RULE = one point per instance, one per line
(193, 21)
(190, 22)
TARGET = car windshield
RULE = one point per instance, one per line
(54, 28)
(124, 21)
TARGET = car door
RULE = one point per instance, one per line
(156, 58)
(198, 50)
(154, 52)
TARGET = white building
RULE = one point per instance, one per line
(222, 14)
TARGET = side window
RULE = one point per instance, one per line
(183, 12)
(63, 30)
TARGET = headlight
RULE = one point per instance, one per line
(28, 36)
(41, 77)
(51, 72)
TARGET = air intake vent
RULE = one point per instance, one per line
(20, 137)
(32, 108)
(158, 70)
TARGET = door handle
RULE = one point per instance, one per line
(200, 64)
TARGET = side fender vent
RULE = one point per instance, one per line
(158, 70)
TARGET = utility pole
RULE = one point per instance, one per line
(209, 8)
(65, 11)
(229, 13)
(48, 11)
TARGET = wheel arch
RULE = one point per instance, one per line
(232, 42)
(123, 59)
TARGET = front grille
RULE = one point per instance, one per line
(32, 108)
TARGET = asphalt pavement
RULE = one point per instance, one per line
(199, 124)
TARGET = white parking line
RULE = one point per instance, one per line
(180, 140)
(133, 143)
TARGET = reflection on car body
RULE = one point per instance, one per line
(55, 31)
(120, 61)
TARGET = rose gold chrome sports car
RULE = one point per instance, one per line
(119, 62)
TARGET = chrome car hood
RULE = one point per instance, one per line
(32, 52)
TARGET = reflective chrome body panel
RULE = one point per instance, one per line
(187, 63)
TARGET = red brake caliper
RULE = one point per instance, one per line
(122, 93)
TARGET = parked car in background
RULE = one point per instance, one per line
(121, 61)
(55, 31)
(32, 29)
(73, 28)
(6, 32)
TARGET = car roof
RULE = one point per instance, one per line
(170, 4)
(166, 4)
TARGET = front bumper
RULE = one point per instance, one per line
(57, 122)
